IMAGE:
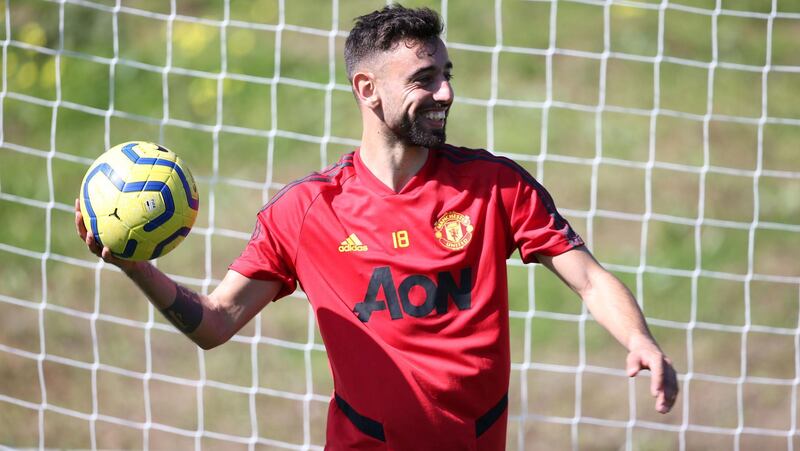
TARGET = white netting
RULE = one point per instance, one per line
(666, 132)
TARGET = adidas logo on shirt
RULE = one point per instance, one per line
(352, 244)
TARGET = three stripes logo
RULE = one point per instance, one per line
(352, 244)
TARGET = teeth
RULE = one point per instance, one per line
(435, 115)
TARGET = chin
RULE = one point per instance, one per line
(427, 137)
(413, 132)
(429, 141)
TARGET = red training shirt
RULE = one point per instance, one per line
(409, 291)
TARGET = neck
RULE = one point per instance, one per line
(394, 165)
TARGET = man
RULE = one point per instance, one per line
(401, 247)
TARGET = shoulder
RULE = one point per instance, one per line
(487, 169)
(303, 191)
(481, 162)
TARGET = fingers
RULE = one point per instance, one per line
(669, 389)
(96, 248)
(79, 225)
(663, 403)
(656, 376)
(663, 383)
(633, 364)
(106, 254)
(663, 379)
(93, 245)
(103, 252)
(83, 234)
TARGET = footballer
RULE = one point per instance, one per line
(401, 248)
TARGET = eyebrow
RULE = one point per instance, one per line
(448, 66)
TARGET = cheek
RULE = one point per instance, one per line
(389, 100)
(412, 104)
(398, 102)
(398, 107)
(411, 96)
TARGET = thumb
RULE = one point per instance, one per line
(633, 364)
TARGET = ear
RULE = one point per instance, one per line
(364, 89)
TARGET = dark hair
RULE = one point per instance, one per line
(380, 31)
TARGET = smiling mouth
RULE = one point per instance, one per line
(435, 118)
(438, 115)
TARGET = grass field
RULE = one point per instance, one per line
(654, 124)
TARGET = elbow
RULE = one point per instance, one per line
(207, 345)
(206, 342)
(217, 328)
(210, 341)
(210, 337)
(213, 334)
(586, 290)
(598, 285)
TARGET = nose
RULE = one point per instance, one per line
(445, 93)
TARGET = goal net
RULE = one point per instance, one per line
(667, 132)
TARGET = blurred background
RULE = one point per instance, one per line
(667, 132)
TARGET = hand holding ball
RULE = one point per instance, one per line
(138, 199)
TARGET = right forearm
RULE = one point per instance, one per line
(158, 288)
(200, 317)
(187, 310)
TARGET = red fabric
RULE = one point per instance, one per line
(417, 336)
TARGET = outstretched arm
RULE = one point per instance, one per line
(615, 308)
(208, 320)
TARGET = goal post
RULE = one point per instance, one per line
(666, 131)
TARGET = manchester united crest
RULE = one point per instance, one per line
(453, 230)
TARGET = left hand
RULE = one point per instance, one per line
(663, 380)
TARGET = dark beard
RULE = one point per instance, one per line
(413, 133)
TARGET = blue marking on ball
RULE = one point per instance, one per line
(138, 186)
(183, 231)
(169, 209)
(136, 159)
(89, 209)
(130, 248)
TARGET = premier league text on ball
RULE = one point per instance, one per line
(139, 199)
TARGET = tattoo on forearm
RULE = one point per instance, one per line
(186, 312)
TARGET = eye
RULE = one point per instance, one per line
(448, 76)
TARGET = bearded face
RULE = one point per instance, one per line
(416, 94)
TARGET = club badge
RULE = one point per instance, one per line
(453, 230)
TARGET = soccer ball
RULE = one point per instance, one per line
(139, 199)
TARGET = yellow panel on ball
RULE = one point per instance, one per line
(139, 199)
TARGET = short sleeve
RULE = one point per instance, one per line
(536, 225)
(269, 253)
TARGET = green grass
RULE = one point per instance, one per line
(679, 146)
